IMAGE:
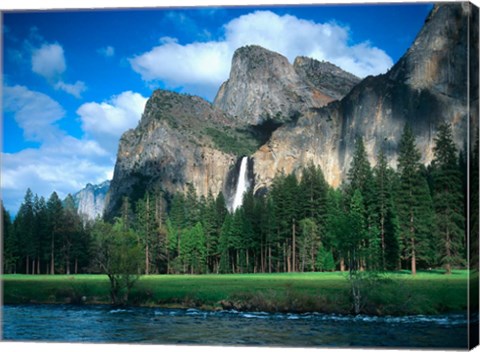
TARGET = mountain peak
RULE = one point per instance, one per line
(264, 86)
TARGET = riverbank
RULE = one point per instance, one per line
(393, 294)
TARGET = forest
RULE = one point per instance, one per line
(380, 219)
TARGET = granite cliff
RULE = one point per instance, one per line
(285, 115)
(90, 201)
(428, 85)
(264, 86)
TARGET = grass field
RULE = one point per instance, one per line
(395, 294)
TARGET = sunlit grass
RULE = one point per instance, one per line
(429, 292)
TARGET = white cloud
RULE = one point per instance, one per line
(65, 167)
(49, 61)
(106, 121)
(63, 163)
(201, 67)
(34, 112)
(108, 51)
(75, 89)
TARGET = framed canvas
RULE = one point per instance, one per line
(281, 175)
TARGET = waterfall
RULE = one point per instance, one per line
(242, 184)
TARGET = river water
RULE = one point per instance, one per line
(69, 323)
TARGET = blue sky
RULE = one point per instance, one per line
(74, 81)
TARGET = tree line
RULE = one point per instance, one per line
(410, 218)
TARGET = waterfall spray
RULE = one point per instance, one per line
(242, 184)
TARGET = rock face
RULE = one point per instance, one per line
(427, 86)
(264, 86)
(175, 143)
(283, 116)
(90, 201)
(325, 76)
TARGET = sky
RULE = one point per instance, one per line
(74, 81)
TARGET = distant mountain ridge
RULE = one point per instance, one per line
(90, 201)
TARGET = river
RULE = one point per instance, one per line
(67, 323)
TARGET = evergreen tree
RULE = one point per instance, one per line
(10, 244)
(313, 195)
(223, 246)
(268, 230)
(209, 223)
(285, 197)
(324, 260)
(448, 199)
(147, 227)
(71, 231)
(308, 243)
(360, 176)
(413, 202)
(474, 204)
(192, 206)
(55, 225)
(41, 232)
(194, 251)
(386, 220)
(24, 225)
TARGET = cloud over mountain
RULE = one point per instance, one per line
(200, 67)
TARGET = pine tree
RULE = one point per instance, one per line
(24, 225)
(308, 243)
(41, 232)
(147, 227)
(413, 201)
(313, 195)
(474, 204)
(55, 224)
(448, 199)
(10, 244)
(71, 231)
(386, 220)
(360, 176)
(194, 251)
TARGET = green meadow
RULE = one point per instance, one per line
(396, 293)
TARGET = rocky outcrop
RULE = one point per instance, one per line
(325, 76)
(284, 116)
(177, 142)
(264, 86)
(90, 201)
(427, 86)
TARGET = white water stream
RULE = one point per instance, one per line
(242, 184)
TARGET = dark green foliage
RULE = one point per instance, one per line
(448, 200)
(24, 225)
(10, 244)
(308, 242)
(233, 141)
(414, 203)
(360, 176)
(385, 217)
(148, 228)
(55, 216)
(474, 203)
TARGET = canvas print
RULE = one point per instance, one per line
(283, 176)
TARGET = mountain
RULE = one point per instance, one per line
(285, 115)
(264, 86)
(90, 201)
(180, 140)
(428, 85)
